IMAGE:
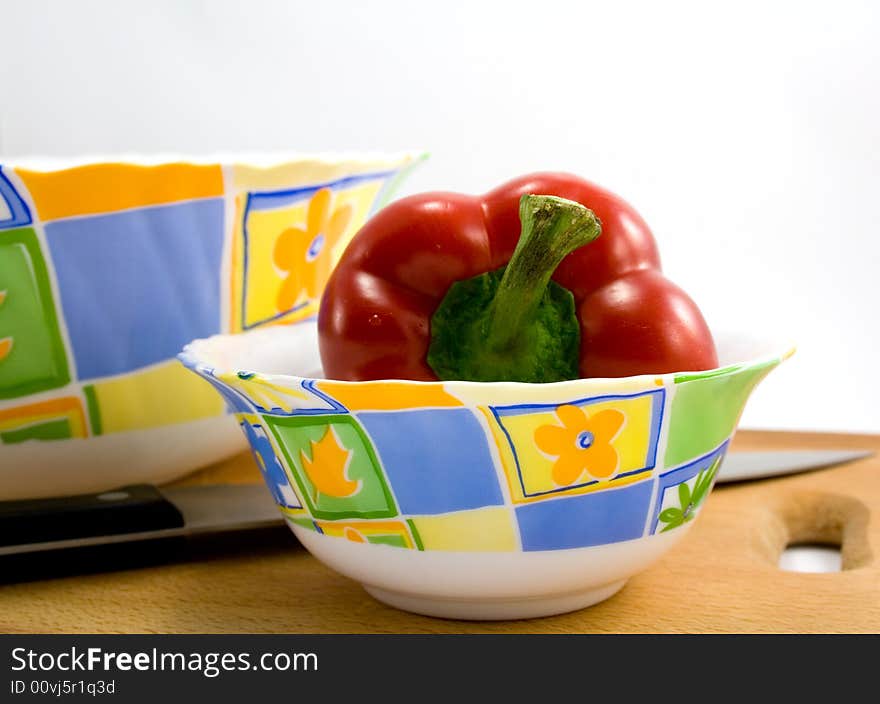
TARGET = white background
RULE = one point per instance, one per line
(747, 137)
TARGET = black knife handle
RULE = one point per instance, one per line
(130, 509)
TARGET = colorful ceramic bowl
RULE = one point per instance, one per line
(108, 269)
(481, 500)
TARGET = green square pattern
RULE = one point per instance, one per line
(49, 430)
(397, 541)
(706, 409)
(304, 523)
(334, 465)
(33, 356)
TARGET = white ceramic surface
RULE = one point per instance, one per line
(490, 585)
(151, 456)
(431, 495)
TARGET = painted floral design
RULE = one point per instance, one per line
(305, 254)
(264, 393)
(328, 467)
(582, 444)
(689, 500)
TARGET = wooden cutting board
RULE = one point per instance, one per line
(723, 576)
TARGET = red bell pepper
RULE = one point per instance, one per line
(451, 286)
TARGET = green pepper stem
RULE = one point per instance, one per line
(552, 228)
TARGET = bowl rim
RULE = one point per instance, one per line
(190, 358)
(258, 159)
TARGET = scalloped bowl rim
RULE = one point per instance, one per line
(257, 159)
(196, 356)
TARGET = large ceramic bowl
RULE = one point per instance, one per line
(481, 500)
(108, 268)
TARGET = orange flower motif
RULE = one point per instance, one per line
(581, 444)
(305, 254)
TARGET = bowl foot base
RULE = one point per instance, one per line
(495, 609)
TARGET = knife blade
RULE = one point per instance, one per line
(144, 513)
(133, 513)
(743, 466)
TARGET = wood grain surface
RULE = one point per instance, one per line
(723, 576)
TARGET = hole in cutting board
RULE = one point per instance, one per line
(811, 558)
(810, 531)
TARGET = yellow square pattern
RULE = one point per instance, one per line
(285, 245)
(161, 395)
(485, 529)
(391, 532)
(532, 470)
(69, 409)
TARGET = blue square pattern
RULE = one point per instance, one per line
(138, 285)
(679, 475)
(430, 473)
(596, 518)
(267, 460)
(13, 210)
